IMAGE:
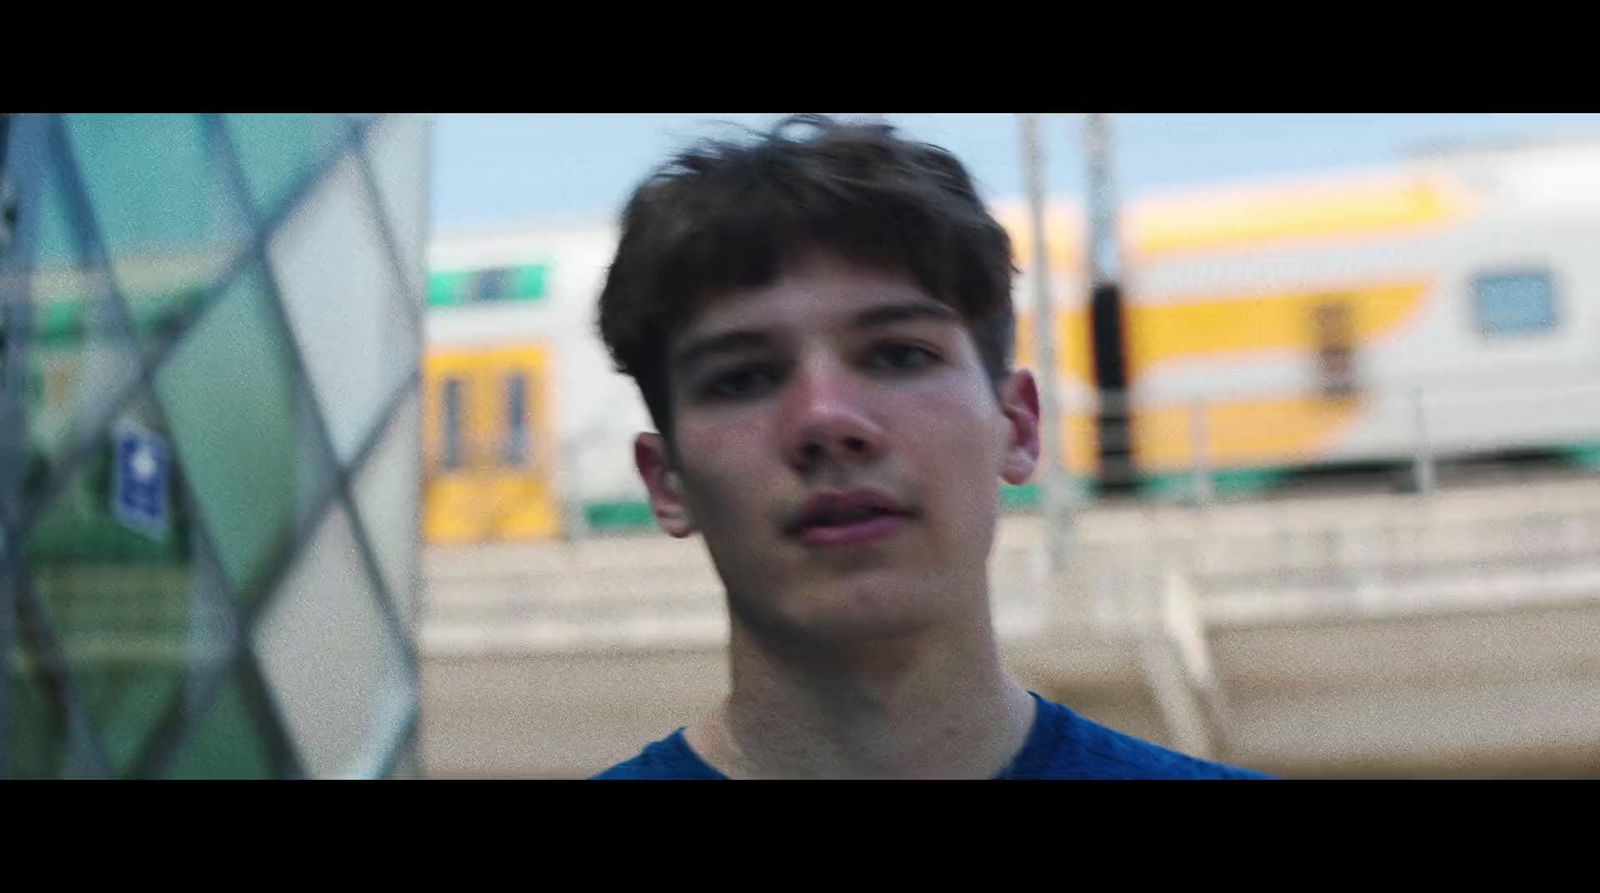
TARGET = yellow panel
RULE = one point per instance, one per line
(486, 500)
(1241, 432)
(1368, 206)
(525, 501)
(1074, 354)
(1079, 443)
(1231, 326)
(1310, 211)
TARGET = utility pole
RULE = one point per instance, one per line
(1106, 311)
(1055, 483)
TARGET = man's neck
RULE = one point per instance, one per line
(929, 705)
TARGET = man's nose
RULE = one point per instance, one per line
(829, 419)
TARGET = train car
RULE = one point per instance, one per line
(1448, 308)
(1444, 306)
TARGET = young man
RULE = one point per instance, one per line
(820, 322)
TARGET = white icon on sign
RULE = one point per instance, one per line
(143, 463)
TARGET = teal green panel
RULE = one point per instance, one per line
(225, 743)
(1248, 480)
(80, 527)
(57, 248)
(38, 725)
(1030, 497)
(528, 283)
(80, 355)
(71, 385)
(619, 515)
(118, 595)
(127, 671)
(64, 290)
(171, 225)
(1167, 486)
(59, 324)
(1587, 456)
(1024, 497)
(452, 288)
(65, 323)
(243, 428)
(279, 153)
(449, 289)
(1241, 481)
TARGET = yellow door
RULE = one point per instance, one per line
(487, 446)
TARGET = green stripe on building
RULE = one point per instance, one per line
(66, 323)
(454, 288)
(621, 515)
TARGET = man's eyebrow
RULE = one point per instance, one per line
(888, 314)
(697, 350)
(733, 341)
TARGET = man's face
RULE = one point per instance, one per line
(838, 444)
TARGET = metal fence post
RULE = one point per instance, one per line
(1422, 464)
(1204, 488)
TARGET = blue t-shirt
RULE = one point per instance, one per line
(1061, 744)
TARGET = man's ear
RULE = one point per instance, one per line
(1019, 401)
(650, 456)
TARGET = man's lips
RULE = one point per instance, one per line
(854, 533)
(843, 517)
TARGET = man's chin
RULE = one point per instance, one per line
(861, 610)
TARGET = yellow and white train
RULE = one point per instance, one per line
(1449, 303)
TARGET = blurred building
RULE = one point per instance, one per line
(209, 349)
(526, 427)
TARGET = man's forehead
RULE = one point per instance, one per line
(809, 304)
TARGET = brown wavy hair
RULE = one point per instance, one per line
(729, 214)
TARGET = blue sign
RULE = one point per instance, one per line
(139, 482)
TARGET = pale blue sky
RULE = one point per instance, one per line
(495, 171)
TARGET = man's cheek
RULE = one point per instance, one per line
(723, 497)
(725, 434)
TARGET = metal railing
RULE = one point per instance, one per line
(1410, 427)
(1344, 537)
(1153, 585)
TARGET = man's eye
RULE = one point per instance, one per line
(749, 381)
(901, 356)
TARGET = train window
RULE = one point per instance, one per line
(1514, 303)
(515, 452)
(493, 285)
(1334, 322)
(454, 398)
